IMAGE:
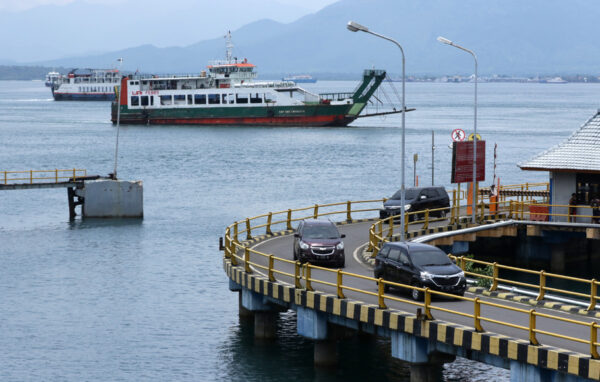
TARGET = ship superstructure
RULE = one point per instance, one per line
(86, 85)
(228, 95)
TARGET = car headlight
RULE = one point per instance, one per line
(340, 245)
(303, 245)
(461, 274)
(406, 207)
(426, 275)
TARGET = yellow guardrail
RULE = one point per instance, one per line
(240, 254)
(37, 176)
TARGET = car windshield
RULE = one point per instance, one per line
(430, 258)
(409, 194)
(320, 232)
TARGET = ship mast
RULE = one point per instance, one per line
(228, 47)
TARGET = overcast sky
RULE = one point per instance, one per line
(20, 5)
(50, 29)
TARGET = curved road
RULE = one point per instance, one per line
(357, 236)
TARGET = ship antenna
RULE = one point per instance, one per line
(229, 47)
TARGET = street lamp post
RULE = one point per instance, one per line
(355, 27)
(118, 100)
(474, 190)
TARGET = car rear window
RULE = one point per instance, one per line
(424, 258)
(320, 231)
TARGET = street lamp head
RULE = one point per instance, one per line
(444, 40)
(355, 27)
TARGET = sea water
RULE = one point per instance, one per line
(148, 299)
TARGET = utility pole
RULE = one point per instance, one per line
(415, 159)
(432, 158)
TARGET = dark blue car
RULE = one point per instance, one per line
(419, 265)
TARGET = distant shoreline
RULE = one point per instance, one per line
(31, 73)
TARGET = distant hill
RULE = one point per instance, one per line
(14, 72)
(509, 36)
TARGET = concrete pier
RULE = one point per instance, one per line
(108, 198)
(426, 362)
(265, 314)
(265, 325)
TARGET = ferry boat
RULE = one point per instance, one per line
(300, 79)
(87, 85)
(227, 95)
(51, 78)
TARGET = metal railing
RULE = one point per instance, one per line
(41, 176)
(240, 254)
(543, 277)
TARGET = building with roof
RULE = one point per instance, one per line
(574, 167)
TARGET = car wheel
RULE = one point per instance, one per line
(416, 294)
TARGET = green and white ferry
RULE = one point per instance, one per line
(228, 95)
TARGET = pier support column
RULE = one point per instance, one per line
(265, 325)
(426, 362)
(265, 315)
(313, 324)
(460, 247)
(523, 372)
(426, 372)
(558, 258)
(243, 312)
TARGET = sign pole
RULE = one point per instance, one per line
(432, 157)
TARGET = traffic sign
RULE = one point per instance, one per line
(458, 135)
(472, 137)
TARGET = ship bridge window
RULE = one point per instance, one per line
(214, 99)
(241, 98)
(135, 101)
(166, 100)
(200, 99)
(190, 100)
(144, 100)
(256, 98)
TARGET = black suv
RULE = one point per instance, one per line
(319, 242)
(417, 199)
(419, 265)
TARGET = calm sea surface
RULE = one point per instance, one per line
(148, 300)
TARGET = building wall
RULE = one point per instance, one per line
(563, 185)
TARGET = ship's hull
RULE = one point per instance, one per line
(314, 115)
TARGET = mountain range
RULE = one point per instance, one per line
(509, 37)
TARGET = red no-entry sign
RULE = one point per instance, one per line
(458, 135)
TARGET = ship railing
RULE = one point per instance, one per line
(335, 96)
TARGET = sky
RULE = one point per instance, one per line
(51, 29)
(21, 5)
